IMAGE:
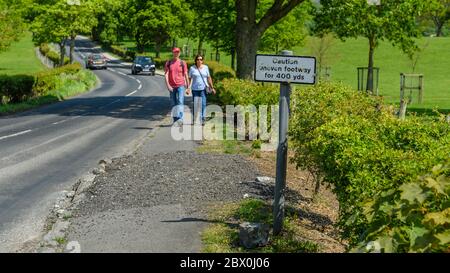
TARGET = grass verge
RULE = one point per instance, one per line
(223, 235)
(68, 86)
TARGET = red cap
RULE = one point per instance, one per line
(175, 49)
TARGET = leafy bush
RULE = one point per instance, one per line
(49, 79)
(219, 71)
(128, 55)
(52, 55)
(359, 147)
(16, 87)
(415, 217)
(243, 92)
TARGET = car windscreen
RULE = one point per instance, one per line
(97, 57)
(144, 61)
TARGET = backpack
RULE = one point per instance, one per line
(169, 63)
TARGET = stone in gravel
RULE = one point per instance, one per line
(105, 161)
(70, 194)
(253, 235)
(98, 171)
(265, 179)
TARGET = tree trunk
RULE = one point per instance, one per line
(158, 50)
(62, 50)
(247, 38)
(72, 47)
(369, 87)
(233, 59)
(439, 30)
(200, 46)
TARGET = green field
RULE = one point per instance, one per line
(434, 64)
(20, 58)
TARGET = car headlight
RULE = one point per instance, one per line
(152, 65)
(138, 65)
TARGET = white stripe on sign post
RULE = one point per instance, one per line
(290, 69)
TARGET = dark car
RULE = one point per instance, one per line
(143, 64)
(96, 61)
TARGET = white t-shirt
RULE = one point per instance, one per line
(197, 82)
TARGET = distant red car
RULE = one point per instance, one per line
(96, 61)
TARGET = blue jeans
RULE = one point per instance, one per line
(202, 95)
(177, 97)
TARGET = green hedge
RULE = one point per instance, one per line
(414, 217)
(52, 55)
(128, 55)
(49, 79)
(243, 92)
(358, 145)
(18, 88)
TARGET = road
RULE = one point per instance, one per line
(44, 151)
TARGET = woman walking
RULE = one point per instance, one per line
(201, 84)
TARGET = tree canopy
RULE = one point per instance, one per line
(393, 20)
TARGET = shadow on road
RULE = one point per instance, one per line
(121, 107)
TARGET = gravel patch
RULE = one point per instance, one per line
(183, 177)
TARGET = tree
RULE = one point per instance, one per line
(250, 29)
(53, 26)
(114, 20)
(321, 48)
(288, 32)
(158, 21)
(440, 14)
(83, 20)
(219, 24)
(11, 24)
(393, 20)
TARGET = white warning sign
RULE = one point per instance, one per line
(281, 68)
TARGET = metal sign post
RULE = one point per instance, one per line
(285, 69)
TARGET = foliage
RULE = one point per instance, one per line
(19, 88)
(439, 13)
(415, 217)
(11, 24)
(16, 88)
(243, 92)
(219, 71)
(113, 21)
(288, 32)
(359, 147)
(49, 80)
(155, 22)
(52, 55)
(251, 24)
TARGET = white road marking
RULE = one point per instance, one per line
(140, 86)
(131, 93)
(121, 73)
(16, 134)
(62, 121)
(138, 81)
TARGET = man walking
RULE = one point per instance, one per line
(177, 82)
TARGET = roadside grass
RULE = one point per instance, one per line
(61, 240)
(234, 146)
(20, 58)
(223, 235)
(69, 86)
(433, 63)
